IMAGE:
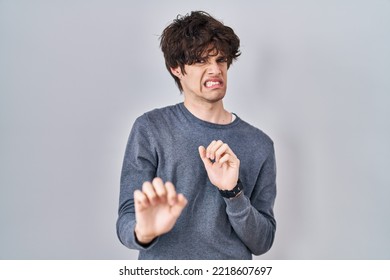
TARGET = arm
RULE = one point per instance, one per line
(139, 165)
(157, 208)
(147, 213)
(251, 217)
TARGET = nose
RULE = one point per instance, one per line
(214, 68)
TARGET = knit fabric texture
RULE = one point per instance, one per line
(164, 143)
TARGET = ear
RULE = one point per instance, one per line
(177, 72)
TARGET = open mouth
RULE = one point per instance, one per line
(215, 83)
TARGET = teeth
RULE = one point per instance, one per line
(210, 84)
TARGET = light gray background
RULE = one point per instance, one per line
(74, 75)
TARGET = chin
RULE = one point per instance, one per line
(215, 97)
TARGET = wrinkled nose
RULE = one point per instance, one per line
(214, 68)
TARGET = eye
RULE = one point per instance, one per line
(222, 59)
(200, 61)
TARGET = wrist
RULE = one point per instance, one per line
(234, 192)
(228, 187)
(142, 238)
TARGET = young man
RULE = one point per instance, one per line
(197, 181)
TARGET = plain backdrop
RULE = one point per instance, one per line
(74, 75)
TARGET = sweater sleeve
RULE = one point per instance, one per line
(139, 165)
(252, 218)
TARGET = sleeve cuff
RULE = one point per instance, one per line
(237, 206)
(139, 246)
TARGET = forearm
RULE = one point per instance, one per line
(125, 230)
(255, 229)
(126, 225)
(126, 233)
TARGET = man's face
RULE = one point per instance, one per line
(205, 80)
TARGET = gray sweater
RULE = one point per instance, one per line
(164, 143)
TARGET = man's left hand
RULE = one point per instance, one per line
(221, 164)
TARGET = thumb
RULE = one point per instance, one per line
(202, 154)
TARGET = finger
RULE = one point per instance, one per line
(204, 158)
(221, 151)
(148, 190)
(179, 206)
(232, 159)
(209, 147)
(171, 193)
(140, 201)
(160, 189)
(212, 148)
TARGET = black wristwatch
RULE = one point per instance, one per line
(234, 192)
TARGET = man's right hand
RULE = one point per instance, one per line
(157, 207)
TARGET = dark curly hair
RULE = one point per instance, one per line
(189, 37)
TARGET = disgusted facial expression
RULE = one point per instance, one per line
(205, 80)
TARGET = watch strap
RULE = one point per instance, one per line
(233, 192)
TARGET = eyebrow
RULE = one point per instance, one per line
(218, 55)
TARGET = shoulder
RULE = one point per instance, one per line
(256, 148)
(158, 121)
(251, 141)
(254, 133)
(155, 116)
(158, 114)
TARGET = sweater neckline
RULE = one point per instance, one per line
(192, 118)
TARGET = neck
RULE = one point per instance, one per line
(209, 112)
